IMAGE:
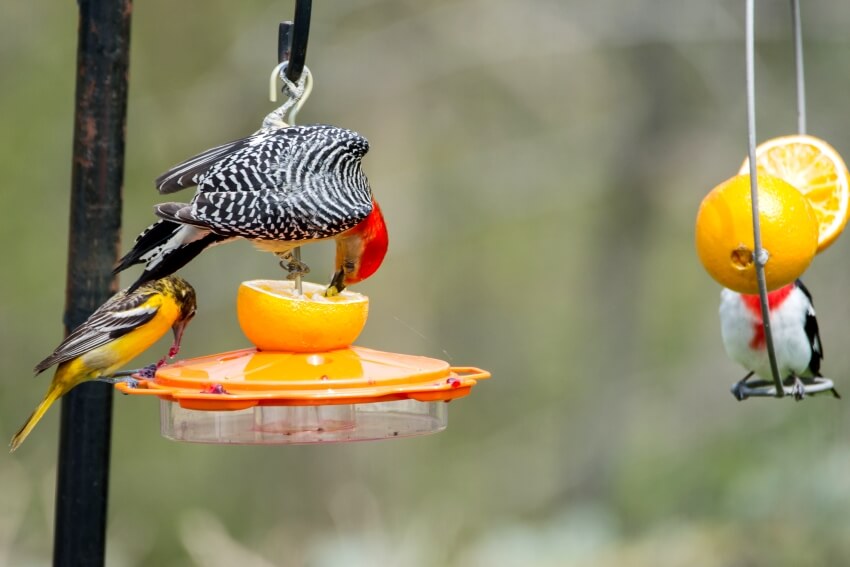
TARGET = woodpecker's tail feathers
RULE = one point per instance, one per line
(150, 238)
(165, 247)
(186, 174)
(175, 253)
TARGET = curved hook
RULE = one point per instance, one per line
(297, 95)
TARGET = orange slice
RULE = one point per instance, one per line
(724, 233)
(275, 318)
(815, 168)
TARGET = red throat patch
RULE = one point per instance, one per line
(753, 304)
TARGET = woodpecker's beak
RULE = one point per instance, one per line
(177, 329)
(337, 284)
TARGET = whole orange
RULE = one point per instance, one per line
(724, 233)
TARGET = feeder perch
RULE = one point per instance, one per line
(254, 396)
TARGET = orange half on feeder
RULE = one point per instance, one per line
(303, 382)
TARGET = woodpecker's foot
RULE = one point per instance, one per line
(295, 268)
(798, 389)
(173, 351)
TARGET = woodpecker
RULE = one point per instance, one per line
(794, 328)
(281, 187)
(118, 331)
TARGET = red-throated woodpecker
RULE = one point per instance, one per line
(279, 188)
(796, 340)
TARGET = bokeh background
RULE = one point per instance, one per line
(540, 165)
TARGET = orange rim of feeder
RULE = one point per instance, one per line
(247, 378)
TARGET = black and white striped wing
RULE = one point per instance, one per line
(118, 316)
(187, 173)
(270, 215)
(296, 183)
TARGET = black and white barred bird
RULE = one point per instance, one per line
(281, 187)
(794, 328)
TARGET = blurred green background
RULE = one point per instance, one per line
(540, 165)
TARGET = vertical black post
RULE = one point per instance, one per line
(292, 40)
(94, 237)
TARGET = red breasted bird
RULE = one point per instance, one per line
(118, 331)
(279, 188)
(794, 328)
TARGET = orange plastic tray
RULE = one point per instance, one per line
(246, 378)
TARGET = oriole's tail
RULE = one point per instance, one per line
(165, 247)
(53, 394)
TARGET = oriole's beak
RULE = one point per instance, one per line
(178, 328)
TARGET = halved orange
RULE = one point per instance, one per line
(817, 170)
(275, 318)
(724, 233)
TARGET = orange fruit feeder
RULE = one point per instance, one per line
(303, 382)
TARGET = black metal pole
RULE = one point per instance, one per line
(292, 40)
(82, 481)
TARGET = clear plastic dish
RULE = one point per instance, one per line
(289, 425)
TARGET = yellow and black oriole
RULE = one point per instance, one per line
(121, 329)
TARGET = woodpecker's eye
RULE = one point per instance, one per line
(349, 266)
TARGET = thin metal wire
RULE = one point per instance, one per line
(798, 65)
(292, 48)
(761, 255)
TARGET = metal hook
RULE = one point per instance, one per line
(297, 93)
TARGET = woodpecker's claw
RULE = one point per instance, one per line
(295, 267)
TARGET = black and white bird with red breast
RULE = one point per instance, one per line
(794, 328)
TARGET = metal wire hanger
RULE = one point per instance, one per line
(775, 388)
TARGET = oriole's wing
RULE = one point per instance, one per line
(118, 316)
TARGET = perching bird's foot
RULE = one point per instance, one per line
(296, 269)
(292, 265)
(146, 373)
(798, 389)
(129, 380)
(738, 391)
(738, 388)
